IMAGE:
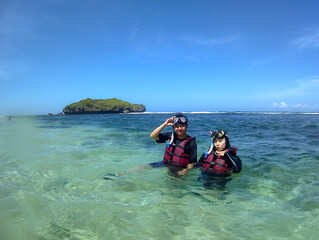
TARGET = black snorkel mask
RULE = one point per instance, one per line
(180, 119)
(219, 134)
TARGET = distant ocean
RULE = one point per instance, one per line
(52, 186)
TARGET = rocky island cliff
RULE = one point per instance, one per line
(94, 106)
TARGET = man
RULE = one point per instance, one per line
(181, 149)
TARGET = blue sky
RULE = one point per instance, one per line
(170, 55)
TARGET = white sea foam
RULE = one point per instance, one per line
(225, 112)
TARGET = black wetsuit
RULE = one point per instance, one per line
(190, 148)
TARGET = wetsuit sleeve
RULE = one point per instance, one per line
(163, 137)
(201, 159)
(193, 152)
(234, 161)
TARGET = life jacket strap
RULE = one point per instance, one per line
(176, 155)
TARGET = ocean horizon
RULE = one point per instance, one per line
(171, 112)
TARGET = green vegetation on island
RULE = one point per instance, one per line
(90, 106)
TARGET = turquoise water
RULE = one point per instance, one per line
(52, 186)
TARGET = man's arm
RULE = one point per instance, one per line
(185, 170)
(158, 130)
(192, 158)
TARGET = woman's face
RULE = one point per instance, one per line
(220, 144)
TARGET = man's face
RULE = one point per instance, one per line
(180, 129)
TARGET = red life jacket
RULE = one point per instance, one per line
(175, 153)
(216, 164)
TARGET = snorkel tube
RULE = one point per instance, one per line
(211, 146)
(168, 143)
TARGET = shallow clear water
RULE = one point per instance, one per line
(52, 186)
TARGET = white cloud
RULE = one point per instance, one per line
(280, 105)
(300, 88)
(263, 61)
(296, 106)
(208, 42)
(309, 39)
(305, 106)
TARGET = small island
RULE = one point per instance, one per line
(95, 106)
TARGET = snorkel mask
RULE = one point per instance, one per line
(180, 119)
(218, 134)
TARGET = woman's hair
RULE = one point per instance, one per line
(227, 142)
